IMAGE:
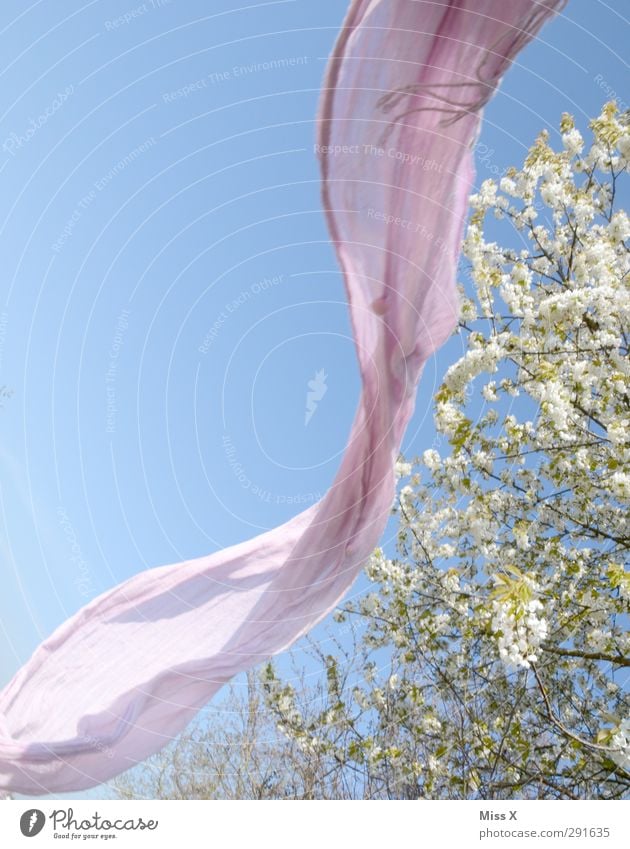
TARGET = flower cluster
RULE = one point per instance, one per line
(520, 631)
(621, 742)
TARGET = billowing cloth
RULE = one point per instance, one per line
(400, 109)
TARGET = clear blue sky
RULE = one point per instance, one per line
(167, 289)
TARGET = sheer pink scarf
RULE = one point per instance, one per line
(400, 109)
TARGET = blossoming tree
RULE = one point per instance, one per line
(504, 616)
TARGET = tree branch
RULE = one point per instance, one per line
(616, 660)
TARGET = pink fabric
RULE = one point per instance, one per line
(123, 676)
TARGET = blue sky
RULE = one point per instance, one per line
(167, 288)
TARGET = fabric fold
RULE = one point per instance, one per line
(399, 112)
